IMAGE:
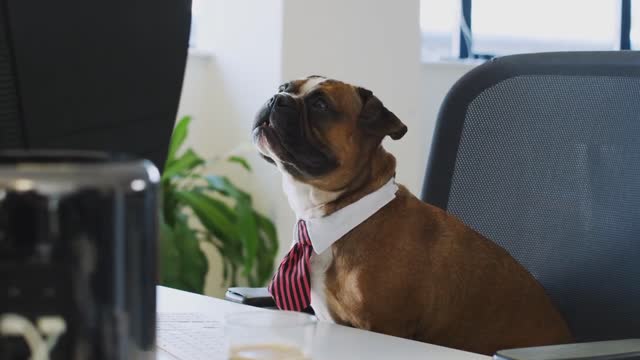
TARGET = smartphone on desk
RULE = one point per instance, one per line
(259, 297)
(602, 350)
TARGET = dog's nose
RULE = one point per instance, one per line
(282, 101)
(271, 101)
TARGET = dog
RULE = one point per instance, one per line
(389, 262)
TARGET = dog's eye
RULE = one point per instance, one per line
(319, 105)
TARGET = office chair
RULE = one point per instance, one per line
(541, 154)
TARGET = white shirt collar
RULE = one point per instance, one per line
(324, 231)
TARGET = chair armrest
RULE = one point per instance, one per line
(258, 297)
(602, 350)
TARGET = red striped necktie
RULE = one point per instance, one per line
(291, 284)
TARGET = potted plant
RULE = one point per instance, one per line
(200, 207)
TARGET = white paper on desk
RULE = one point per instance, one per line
(190, 336)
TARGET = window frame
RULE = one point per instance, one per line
(465, 50)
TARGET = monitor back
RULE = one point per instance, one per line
(92, 75)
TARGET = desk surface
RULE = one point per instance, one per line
(331, 342)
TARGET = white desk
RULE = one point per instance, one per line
(332, 342)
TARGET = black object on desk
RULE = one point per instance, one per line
(78, 235)
(259, 297)
(77, 230)
(602, 350)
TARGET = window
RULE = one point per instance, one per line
(196, 14)
(501, 27)
(635, 24)
(439, 24)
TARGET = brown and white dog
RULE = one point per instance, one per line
(409, 269)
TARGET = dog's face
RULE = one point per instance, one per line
(322, 131)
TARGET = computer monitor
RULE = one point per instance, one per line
(92, 75)
(87, 75)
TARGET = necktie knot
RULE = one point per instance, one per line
(291, 284)
(303, 234)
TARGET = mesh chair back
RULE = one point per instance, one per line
(541, 154)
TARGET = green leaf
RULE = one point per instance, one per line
(210, 214)
(267, 249)
(267, 227)
(222, 207)
(264, 265)
(183, 264)
(169, 257)
(225, 268)
(222, 185)
(168, 202)
(234, 275)
(240, 160)
(187, 161)
(231, 245)
(248, 231)
(194, 263)
(177, 138)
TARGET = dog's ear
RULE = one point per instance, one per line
(377, 119)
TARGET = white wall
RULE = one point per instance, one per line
(373, 44)
(223, 92)
(436, 78)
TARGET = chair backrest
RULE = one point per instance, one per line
(541, 154)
